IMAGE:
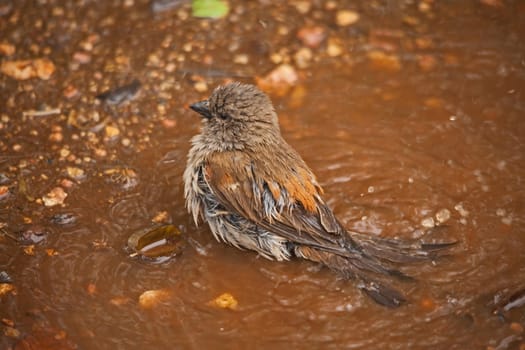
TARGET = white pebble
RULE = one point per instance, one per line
(443, 215)
(428, 222)
(462, 211)
(507, 220)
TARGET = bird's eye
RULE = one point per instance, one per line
(224, 116)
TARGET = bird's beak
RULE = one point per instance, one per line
(203, 108)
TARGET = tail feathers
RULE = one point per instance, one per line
(363, 269)
(399, 251)
(371, 260)
(381, 293)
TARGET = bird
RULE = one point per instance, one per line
(256, 193)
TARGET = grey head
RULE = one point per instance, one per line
(237, 116)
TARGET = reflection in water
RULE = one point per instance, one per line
(432, 124)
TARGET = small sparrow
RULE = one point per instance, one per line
(256, 192)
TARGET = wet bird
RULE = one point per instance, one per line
(256, 192)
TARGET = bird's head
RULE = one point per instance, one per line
(237, 116)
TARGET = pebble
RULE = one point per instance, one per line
(151, 298)
(241, 59)
(111, 131)
(200, 86)
(346, 17)
(75, 173)
(42, 68)
(276, 58)
(64, 152)
(64, 219)
(4, 192)
(383, 61)
(443, 215)
(55, 197)
(81, 57)
(303, 7)
(70, 91)
(516, 327)
(303, 57)
(331, 5)
(334, 48)
(7, 49)
(428, 222)
(507, 220)
(311, 36)
(462, 211)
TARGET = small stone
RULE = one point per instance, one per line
(312, 36)
(64, 219)
(81, 57)
(424, 6)
(283, 30)
(200, 86)
(428, 222)
(7, 49)
(225, 301)
(29, 250)
(70, 91)
(161, 217)
(55, 197)
(111, 131)
(303, 57)
(125, 142)
(516, 327)
(443, 215)
(426, 62)
(383, 61)
(241, 59)
(346, 17)
(4, 192)
(506, 220)
(11, 332)
(6, 288)
(169, 123)
(303, 7)
(75, 173)
(334, 48)
(461, 210)
(152, 298)
(170, 67)
(500, 212)
(56, 137)
(64, 152)
(331, 5)
(276, 58)
(279, 80)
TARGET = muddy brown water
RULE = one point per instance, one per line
(436, 126)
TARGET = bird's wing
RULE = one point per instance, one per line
(285, 199)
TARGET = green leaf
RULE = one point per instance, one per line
(210, 8)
